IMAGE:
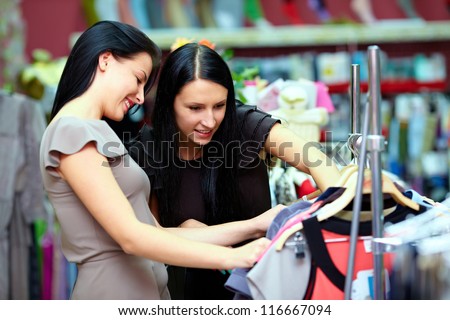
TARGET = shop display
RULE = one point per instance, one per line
(306, 84)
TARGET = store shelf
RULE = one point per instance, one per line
(383, 32)
(388, 32)
(394, 86)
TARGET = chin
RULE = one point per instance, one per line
(118, 118)
(202, 142)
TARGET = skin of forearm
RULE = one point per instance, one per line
(322, 169)
(158, 244)
(303, 155)
(226, 234)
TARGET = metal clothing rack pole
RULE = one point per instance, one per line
(375, 145)
(360, 180)
(354, 139)
(355, 98)
(357, 201)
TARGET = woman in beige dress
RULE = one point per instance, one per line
(100, 195)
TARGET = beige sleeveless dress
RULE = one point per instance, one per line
(105, 271)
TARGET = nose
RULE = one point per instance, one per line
(140, 96)
(209, 120)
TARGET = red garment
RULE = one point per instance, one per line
(305, 188)
(331, 287)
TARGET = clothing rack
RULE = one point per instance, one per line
(371, 146)
(354, 138)
(22, 199)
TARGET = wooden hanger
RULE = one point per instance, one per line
(333, 208)
(388, 187)
(337, 205)
(345, 172)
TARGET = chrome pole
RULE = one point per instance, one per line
(375, 145)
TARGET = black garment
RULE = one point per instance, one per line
(254, 195)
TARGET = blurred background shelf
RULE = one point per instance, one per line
(394, 87)
(285, 36)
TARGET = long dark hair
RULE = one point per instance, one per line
(219, 179)
(122, 40)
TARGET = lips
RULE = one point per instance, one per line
(204, 133)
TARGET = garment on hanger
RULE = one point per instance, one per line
(421, 246)
(285, 191)
(421, 269)
(282, 184)
(326, 277)
(21, 193)
(237, 282)
(340, 203)
(435, 221)
(328, 244)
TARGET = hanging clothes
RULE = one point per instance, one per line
(421, 245)
(313, 262)
(21, 193)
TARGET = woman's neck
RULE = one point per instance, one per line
(82, 107)
(190, 153)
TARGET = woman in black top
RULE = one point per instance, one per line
(204, 156)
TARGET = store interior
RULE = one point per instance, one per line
(280, 52)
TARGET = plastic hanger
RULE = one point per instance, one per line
(331, 209)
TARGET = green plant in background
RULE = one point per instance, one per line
(42, 72)
(240, 77)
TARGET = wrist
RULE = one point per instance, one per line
(256, 227)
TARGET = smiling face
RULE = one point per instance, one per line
(124, 80)
(199, 110)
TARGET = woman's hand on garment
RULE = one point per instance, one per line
(263, 221)
(230, 233)
(246, 255)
